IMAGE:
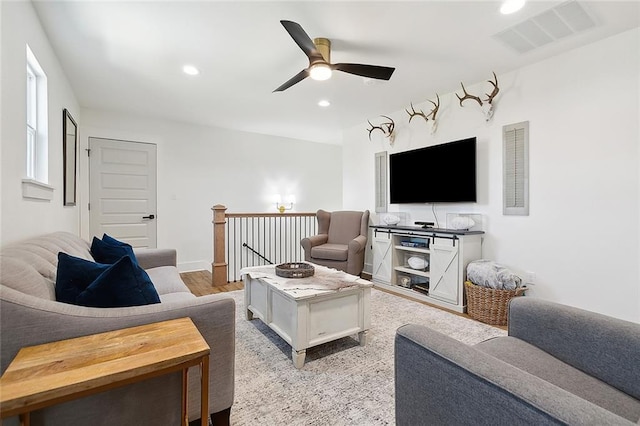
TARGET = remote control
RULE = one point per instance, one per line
(425, 224)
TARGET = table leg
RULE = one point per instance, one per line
(363, 337)
(298, 358)
(25, 419)
(204, 392)
(185, 413)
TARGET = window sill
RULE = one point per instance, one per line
(34, 190)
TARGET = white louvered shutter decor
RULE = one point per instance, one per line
(515, 153)
(381, 181)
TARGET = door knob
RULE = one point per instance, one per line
(151, 216)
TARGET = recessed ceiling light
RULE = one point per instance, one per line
(190, 70)
(324, 103)
(511, 6)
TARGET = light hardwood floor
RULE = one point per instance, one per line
(199, 282)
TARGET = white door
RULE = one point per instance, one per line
(122, 191)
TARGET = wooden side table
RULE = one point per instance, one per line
(56, 372)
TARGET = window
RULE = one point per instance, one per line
(32, 122)
(36, 145)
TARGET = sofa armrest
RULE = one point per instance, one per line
(26, 320)
(312, 241)
(355, 258)
(357, 245)
(153, 258)
(566, 332)
(439, 380)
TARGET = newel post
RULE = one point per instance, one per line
(219, 265)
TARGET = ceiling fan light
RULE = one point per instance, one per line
(320, 72)
(190, 70)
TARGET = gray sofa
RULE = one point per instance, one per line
(30, 315)
(558, 365)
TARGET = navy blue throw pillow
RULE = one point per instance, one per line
(110, 250)
(122, 284)
(110, 240)
(86, 283)
(74, 276)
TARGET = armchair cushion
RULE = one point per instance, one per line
(344, 227)
(330, 251)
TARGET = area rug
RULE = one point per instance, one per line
(341, 383)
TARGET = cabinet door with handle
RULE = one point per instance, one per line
(444, 282)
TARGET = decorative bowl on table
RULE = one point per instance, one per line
(416, 262)
(390, 219)
(462, 223)
(294, 270)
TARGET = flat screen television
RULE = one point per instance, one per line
(444, 173)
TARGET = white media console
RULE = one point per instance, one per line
(400, 252)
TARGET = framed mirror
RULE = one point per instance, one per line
(69, 149)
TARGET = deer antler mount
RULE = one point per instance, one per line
(488, 106)
(433, 113)
(414, 113)
(386, 128)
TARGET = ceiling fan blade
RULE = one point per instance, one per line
(293, 80)
(302, 39)
(371, 71)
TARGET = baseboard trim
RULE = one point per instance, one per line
(199, 265)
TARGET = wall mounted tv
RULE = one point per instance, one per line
(444, 173)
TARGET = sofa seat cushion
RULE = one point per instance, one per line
(540, 364)
(176, 297)
(330, 252)
(166, 280)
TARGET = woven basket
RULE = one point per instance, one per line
(489, 305)
(294, 270)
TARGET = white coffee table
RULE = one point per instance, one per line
(307, 312)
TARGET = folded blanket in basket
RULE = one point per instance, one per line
(487, 273)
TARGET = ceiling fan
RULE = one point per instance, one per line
(319, 53)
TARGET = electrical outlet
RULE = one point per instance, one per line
(530, 277)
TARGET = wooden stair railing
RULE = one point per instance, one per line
(249, 239)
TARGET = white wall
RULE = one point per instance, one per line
(199, 167)
(582, 235)
(22, 218)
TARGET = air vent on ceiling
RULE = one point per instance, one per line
(559, 22)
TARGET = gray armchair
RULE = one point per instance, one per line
(341, 240)
(558, 365)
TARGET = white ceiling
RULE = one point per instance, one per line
(127, 56)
